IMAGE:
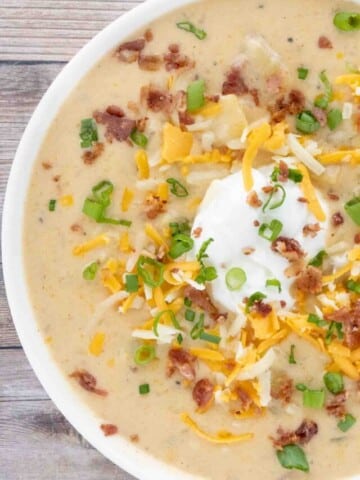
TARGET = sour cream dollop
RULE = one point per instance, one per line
(225, 216)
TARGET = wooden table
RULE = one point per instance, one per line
(37, 37)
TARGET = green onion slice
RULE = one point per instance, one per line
(334, 118)
(334, 382)
(235, 278)
(151, 271)
(352, 208)
(345, 424)
(293, 457)
(273, 282)
(176, 228)
(301, 387)
(139, 138)
(207, 337)
(327, 86)
(189, 315)
(158, 317)
(180, 339)
(353, 286)
(313, 398)
(180, 244)
(90, 271)
(202, 252)
(52, 205)
(335, 329)
(195, 95)
(144, 354)
(144, 389)
(347, 21)
(198, 328)
(273, 203)
(271, 231)
(206, 274)
(295, 175)
(177, 188)
(292, 360)
(190, 27)
(318, 260)
(187, 302)
(88, 132)
(321, 102)
(312, 318)
(302, 73)
(255, 297)
(307, 123)
(131, 283)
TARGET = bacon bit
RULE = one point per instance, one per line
(295, 268)
(283, 171)
(302, 435)
(302, 200)
(350, 318)
(56, 178)
(157, 100)
(197, 232)
(202, 299)
(267, 189)
(154, 206)
(183, 362)
(293, 105)
(203, 393)
(310, 280)
(90, 156)
(254, 92)
(134, 438)
(282, 303)
(118, 126)
(289, 248)
(337, 219)
(148, 35)
(311, 230)
(213, 98)
(320, 115)
(256, 223)
(333, 196)
(46, 165)
(336, 407)
(357, 238)
(282, 388)
(234, 83)
(248, 250)
(128, 52)
(150, 63)
(77, 228)
(273, 83)
(262, 308)
(185, 118)
(88, 382)
(134, 107)
(253, 200)
(141, 124)
(244, 399)
(324, 42)
(174, 60)
(109, 429)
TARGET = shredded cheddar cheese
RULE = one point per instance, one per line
(163, 192)
(142, 164)
(124, 243)
(340, 156)
(66, 200)
(154, 235)
(86, 247)
(207, 354)
(310, 194)
(256, 140)
(96, 346)
(126, 200)
(176, 143)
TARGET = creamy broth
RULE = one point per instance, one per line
(69, 309)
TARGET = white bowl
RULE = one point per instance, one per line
(119, 450)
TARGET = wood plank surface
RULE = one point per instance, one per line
(37, 38)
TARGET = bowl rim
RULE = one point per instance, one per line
(119, 450)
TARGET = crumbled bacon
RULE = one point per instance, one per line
(109, 429)
(148, 35)
(254, 92)
(90, 156)
(77, 228)
(311, 230)
(56, 178)
(295, 268)
(244, 399)
(337, 406)
(262, 308)
(118, 126)
(46, 165)
(151, 63)
(256, 223)
(324, 42)
(88, 382)
(253, 199)
(174, 60)
(282, 388)
(337, 219)
(197, 232)
(283, 171)
(333, 196)
(248, 250)
(234, 83)
(293, 105)
(134, 438)
(357, 238)
(157, 100)
(202, 299)
(274, 83)
(289, 248)
(350, 318)
(128, 52)
(302, 200)
(203, 393)
(154, 206)
(320, 115)
(302, 435)
(141, 124)
(183, 362)
(310, 280)
(185, 118)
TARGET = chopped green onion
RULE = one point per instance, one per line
(177, 188)
(198, 327)
(334, 382)
(301, 387)
(189, 315)
(270, 231)
(235, 278)
(90, 271)
(102, 192)
(347, 21)
(131, 283)
(52, 205)
(347, 422)
(172, 317)
(273, 282)
(328, 96)
(206, 274)
(313, 398)
(176, 228)
(190, 27)
(88, 132)
(144, 354)
(179, 339)
(335, 329)
(334, 118)
(302, 73)
(255, 297)
(351, 68)
(210, 338)
(139, 138)
(195, 95)
(113, 221)
(144, 389)
(277, 202)
(312, 318)
(93, 209)
(202, 252)
(321, 102)
(275, 174)
(318, 260)
(154, 274)
(180, 244)
(187, 302)
(295, 175)
(292, 360)
(352, 208)
(306, 122)
(353, 286)
(293, 457)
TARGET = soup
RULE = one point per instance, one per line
(192, 239)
